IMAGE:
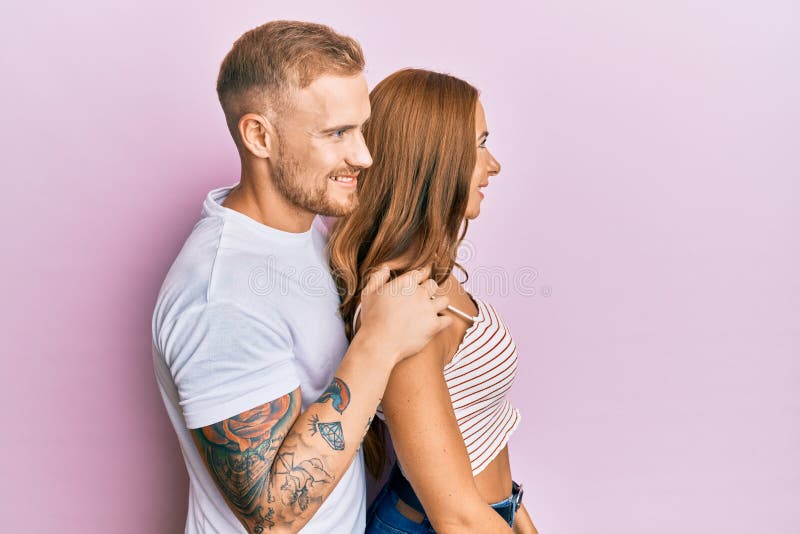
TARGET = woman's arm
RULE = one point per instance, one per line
(430, 448)
(523, 524)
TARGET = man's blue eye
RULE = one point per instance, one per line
(339, 133)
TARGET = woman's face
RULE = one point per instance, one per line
(485, 165)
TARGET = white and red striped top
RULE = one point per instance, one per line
(478, 376)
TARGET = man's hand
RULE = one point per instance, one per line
(401, 315)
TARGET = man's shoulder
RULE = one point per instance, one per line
(186, 283)
(195, 261)
(218, 267)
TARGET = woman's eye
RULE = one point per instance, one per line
(483, 144)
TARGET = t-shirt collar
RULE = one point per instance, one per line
(212, 207)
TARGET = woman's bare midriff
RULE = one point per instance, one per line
(494, 482)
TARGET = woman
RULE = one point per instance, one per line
(445, 408)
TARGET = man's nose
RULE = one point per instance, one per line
(359, 154)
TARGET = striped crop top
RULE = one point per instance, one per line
(478, 377)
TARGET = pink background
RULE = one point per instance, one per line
(650, 177)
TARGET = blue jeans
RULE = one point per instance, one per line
(383, 517)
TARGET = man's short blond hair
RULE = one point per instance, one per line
(267, 62)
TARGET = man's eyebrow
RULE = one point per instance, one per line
(344, 127)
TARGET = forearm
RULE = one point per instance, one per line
(275, 465)
(321, 444)
(523, 524)
(431, 449)
(477, 519)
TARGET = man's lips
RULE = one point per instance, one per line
(345, 179)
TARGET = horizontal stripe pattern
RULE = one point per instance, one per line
(478, 377)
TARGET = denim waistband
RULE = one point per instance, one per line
(402, 487)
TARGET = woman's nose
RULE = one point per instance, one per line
(494, 165)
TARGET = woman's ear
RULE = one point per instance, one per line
(257, 134)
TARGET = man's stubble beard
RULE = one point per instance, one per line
(288, 179)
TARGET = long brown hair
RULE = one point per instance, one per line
(414, 196)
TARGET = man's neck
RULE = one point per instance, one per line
(259, 200)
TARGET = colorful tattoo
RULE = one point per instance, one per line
(338, 393)
(242, 456)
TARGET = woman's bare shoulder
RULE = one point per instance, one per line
(460, 299)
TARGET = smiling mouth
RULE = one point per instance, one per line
(346, 182)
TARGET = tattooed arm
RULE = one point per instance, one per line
(239, 453)
(274, 465)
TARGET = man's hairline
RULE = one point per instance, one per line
(283, 95)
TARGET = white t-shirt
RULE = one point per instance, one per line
(246, 314)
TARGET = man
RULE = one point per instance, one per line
(269, 403)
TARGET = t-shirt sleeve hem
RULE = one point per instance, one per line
(226, 410)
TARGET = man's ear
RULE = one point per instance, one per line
(257, 134)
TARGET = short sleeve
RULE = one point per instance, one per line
(225, 360)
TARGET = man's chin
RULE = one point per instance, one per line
(339, 209)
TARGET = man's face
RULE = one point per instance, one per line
(320, 148)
